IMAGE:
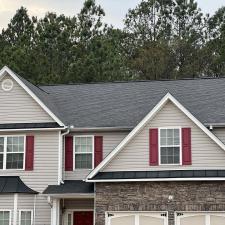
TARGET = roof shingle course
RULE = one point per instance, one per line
(124, 104)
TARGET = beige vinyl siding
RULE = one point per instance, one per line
(25, 202)
(78, 204)
(45, 173)
(6, 203)
(110, 141)
(206, 154)
(17, 106)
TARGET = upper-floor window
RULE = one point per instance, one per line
(170, 146)
(84, 148)
(12, 152)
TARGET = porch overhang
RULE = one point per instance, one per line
(14, 185)
(70, 189)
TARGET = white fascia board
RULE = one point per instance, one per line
(159, 180)
(148, 117)
(71, 195)
(43, 106)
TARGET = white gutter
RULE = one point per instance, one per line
(71, 195)
(217, 125)
(33, 129)
(91, 129)
(61, 145)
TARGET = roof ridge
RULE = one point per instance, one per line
(131, 81)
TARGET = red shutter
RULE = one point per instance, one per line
(153, 147)
(186, 146)
(68, 153)
(29, 164)
(98, 149)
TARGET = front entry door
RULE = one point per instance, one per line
(83, 218)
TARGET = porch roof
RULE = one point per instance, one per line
(13, 184)
(70, 187)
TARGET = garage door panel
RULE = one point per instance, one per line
(123, 220)
(193, 220)
(147, 220)
(137, 218)
(200, 218)
(217, 220)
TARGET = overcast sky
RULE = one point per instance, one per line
(115, 9)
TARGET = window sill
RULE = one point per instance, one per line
(6, 170)
(165, 165)
(82, 170)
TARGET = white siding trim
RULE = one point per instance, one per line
(43, 106)
(160, 179)
(15, 209)
(55, 212)
(150, 115)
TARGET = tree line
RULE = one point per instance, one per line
(161, 39)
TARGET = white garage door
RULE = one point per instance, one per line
(200, 218)
(129, 218)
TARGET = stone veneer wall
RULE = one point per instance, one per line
(153, 196)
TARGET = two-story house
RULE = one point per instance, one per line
(120, 153)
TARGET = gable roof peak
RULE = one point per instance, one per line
(144, 121)
(31, 90)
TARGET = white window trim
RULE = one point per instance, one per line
(66, 218)
(10, 214)
(5, 151)
(180, 146)
(26, 210)
(93, 153)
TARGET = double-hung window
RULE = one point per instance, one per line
(5, 217)
(83, 152)
(25, 217)
(170, 146)
(12, 152)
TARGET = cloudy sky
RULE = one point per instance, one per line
(115, 9)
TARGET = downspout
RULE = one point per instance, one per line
(61, 153)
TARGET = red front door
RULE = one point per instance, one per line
(83, 218)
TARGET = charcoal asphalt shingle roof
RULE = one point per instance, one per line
(70, 187)
(124, 104)
(13, 184)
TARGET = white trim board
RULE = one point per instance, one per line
(5, 69)
(149, 116)
(159, 179)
